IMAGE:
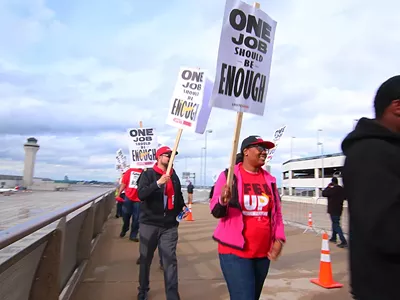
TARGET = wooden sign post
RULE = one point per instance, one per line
(236, 136)
(171, 160)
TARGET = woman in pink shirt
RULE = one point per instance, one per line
(250, 232)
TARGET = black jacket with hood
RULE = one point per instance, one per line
(152, 211)
(371, 178)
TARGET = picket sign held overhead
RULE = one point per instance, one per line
(143, 146)
(243, 65)
(121, 163)
(275, 139)
(189, 108)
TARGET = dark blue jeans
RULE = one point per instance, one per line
(119, 208)
(244, 277)
(131, 209)
(337, 230)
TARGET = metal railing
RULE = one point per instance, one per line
(295, 211)
(46, 256)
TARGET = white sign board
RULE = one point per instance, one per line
(142, 147)
(190, 108)
(244, 59)
(275, 139)
(121, 164)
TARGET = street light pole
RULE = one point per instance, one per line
(291, 147)
(322, 157)
(205, 156)
(201, 166)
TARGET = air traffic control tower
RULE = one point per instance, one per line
(31, 147)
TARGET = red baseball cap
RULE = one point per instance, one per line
(164, 150)
(256, 140)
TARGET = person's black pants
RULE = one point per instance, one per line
(166, 239)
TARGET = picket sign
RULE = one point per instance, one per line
(243, 65)
(200, 109)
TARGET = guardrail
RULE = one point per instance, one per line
(52, 250)
(295, 211)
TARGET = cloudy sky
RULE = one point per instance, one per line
(76, 74)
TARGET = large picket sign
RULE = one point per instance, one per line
(142, 147)
(244, 59)
(189, 108)
(275, 139)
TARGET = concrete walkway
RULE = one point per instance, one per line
(113, 274)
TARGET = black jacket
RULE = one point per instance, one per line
(190, 189)
(371, 177)
(335, 197)
(152, 211)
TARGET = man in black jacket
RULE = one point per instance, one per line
(162, 201)
(371, 178)
(335, 194)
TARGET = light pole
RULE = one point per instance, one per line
(291, 147)
(205, 155)
(201, 166)
(322, 156)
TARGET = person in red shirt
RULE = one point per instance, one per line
(250, 232)
(131, 206)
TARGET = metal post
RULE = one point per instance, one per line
(201, 166)
(291, 147)
(205, 156)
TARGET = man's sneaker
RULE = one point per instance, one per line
(134, 239)
(122, 234)
(343, 245)
(332, 241)
(142, 296)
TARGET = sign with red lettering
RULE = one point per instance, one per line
(244, 59)
(189, 108)
(142, 147)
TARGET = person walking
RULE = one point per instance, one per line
(250, 232)
(190, 189)
(335, 195)
(131, 205)
(371, 179)
(162, 201)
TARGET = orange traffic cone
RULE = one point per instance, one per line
(310, 225)
(325, 279)
(190, 215)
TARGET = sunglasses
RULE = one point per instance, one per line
(167, 155)
(259, 148)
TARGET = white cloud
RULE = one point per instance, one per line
(78, 93)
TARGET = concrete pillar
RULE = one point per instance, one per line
(290, 183)
(31, 148)
(316, 176)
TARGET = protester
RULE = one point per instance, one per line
(162, 201)
(119, 197)
(371, 179)
(131, 206)
(250, 231)
(335, 195)
(190, 189)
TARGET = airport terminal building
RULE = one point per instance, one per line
(308, 176)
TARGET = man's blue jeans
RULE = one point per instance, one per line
(131, 209)
(337, 230)
(245, 277)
